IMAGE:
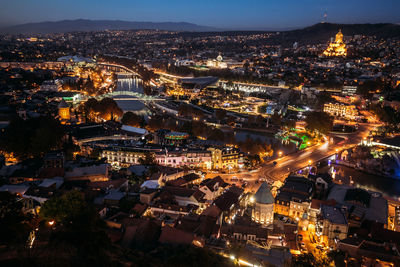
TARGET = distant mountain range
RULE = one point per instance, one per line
(324, 31)
(100, 25)
(317, 32)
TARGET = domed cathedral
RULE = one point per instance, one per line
(263, 210)
(63, 110)
(336, 48)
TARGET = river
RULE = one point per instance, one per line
(346, 175)
(132, 85)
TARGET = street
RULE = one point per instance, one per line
(295, 161)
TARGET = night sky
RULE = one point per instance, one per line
(238, 14)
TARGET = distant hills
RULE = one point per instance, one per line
(100, 25)
(324, 31)
(311, 34)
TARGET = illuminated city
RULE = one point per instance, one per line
(200, 133)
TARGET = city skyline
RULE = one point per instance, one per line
(219, 14)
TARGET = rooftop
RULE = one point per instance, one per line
(263, 195)
(333, 215)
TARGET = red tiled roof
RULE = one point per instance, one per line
(107, 184)
(172, 235)
(316, 203)
(212, 211)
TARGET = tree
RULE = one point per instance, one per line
(148, 159)
(64, 209)
(13, 226)
(79, 227)
(322, 98)
(132, 119)
(319, 121)
(32, 137)
(107, 108)
(155, 123)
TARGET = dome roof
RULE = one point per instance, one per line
(263, 195)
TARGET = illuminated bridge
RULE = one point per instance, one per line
(122, 95)
(116, 68)
(107, 137)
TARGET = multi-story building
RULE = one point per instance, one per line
(189, 158)
(349, 90)
(341, 110)
(226, 158)
(51, 85)
(63, 111)
(332, 225)
(123, 157)
(294, 197)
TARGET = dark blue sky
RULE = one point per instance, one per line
(217, 13)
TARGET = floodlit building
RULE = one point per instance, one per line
(341, 110)
(263, 210)
(217, 63)
(226, 158)
(348, 90)
(63, 110)
(336, 48)
(294, 197)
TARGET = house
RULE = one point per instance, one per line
(294, 197)
(184, 196)
(147, 195)
(113, 197)
(332, 225)
(245, 233)
(185, 180)
(171, 235)
(201, 225)
(93, 173)
(212, 188)
(370, 252)
(360, 204)
(118, 184)
(229, 202)
(19, 189)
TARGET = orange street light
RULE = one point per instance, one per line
(280, 153)
(51, 223)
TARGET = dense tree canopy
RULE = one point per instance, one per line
(13, 223)
(106, 109)
(132, 119)
(32, 137)
(387, 114)
(78, 228)
(319, 121)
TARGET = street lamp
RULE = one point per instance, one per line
(280, 153)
